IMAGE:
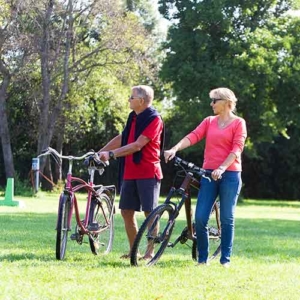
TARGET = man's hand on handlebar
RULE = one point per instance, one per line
(104, 155)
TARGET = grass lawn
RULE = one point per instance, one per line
(265, 262)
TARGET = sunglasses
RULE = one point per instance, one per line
(132, 97)
(215, 100)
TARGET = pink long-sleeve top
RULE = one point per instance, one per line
(220, 142)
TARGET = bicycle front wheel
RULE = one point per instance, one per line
(62, 226)
(214, 234)
(102, 219)
(153, 236)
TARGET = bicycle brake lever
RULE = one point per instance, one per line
(45, 150)
(101, 171)
(99, 161)
(208, 178)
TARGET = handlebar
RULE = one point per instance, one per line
(91, 157)
(190, 167)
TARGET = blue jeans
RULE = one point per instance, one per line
(228, 189)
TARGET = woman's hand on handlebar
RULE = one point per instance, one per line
(169, 155)
(217, 174)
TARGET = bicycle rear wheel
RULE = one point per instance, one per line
(62, 226)
(214, 235)
(153, 236)
(101, 218)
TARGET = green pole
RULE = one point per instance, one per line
(9, 194)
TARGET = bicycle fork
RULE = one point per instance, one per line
(66, 196)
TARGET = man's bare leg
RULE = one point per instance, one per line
(150, 248)
(131, 226)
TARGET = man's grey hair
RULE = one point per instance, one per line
(146, 92)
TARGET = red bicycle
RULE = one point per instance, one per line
(98, 220)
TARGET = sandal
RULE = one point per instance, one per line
(145, 257)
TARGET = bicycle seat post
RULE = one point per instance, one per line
(186, 182)
(185, 186)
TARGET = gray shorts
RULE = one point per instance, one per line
(139, 194)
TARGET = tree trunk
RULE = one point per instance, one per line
(50, 113)
(47, 184)
(5, 135)
(44, 135)
(59, 147)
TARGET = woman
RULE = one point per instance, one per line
(225, 135)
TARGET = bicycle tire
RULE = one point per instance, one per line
(101, 213)
(148, 235)
(214, 235)
(62, 226)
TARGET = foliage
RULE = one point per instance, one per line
(230, 43)
(274, 173)
(85, 99)
(22, 187)
(145, 10)
(250, 47)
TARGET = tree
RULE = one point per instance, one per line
(83, 54)
(250, 47)
(213, 44)
(145, 10)
(14, 53)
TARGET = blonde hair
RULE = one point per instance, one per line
(146, 92)
(225, 94)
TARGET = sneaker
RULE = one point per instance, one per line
(225, 265)
(202, 264)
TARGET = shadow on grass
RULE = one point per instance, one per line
(272, 203)
(31, 237)
(260, 202)
(28, 236)
(25, 256)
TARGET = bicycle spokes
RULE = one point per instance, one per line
(101, 225)
(152, 237)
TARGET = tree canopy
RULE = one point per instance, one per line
(67, 66)
(71, 64)
(252, 47)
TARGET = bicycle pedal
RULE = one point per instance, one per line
(74, 236)
(213, 231)
(94, 226)
(183, 240)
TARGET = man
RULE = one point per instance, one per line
(139, 148)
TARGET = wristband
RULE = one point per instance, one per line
(221, 168)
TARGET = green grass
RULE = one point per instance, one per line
(265, 262)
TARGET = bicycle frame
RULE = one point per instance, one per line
(102, 210)
(69, 189)
(164, 217)
(184, 192)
